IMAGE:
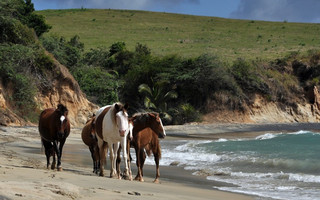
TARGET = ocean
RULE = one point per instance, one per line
(272, 165)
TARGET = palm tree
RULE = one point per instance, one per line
(157, 96)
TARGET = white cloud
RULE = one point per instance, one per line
(279, 10)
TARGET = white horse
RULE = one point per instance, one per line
(112, 128)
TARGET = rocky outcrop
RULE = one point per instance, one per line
(63, 89)
(7, 117)
(66, 90)
(262, 111)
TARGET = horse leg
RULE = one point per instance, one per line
(140, 154)
(59, 154)
(113, 158)
(56, 150)
(129, 159)
(96, 159)
(102, 148)
(142, 161)
(156, 159)
(118, 160)
(53, 153)
(91, 148)
(156, 150)
(125, 157)
(48, 151)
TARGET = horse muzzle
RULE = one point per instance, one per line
(60, 135)
(160, 136)
(122, 133)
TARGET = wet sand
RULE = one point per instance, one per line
(23, 174)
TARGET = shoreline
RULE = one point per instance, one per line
(23, 175)
(23, 166)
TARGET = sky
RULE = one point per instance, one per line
(267, 10)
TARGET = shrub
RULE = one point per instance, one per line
(185, 113)
(17, 63)
(67, 53)
(13, 31)
(248, 77)
(117, 47)
(100, 86)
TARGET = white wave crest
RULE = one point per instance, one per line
(267, 136)
(299, 132)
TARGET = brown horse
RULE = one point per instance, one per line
(54, 128)
(147, 128)
(89, 138)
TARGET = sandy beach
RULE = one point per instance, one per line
(23, 174)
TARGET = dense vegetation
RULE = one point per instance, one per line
(21, 56)
(179, 87)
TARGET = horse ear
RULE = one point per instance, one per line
(126, 106)
(116, 106)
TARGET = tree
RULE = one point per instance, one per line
(157, 96)
(23, 10)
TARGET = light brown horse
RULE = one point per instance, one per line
(89, 138)
(147, 128)
(54, 128)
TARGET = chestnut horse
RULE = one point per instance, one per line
(54, 128)
(111, 128)
(147, 128)
(89, 138)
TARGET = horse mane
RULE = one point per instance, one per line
(113, 114)
(114, 111)
(143, 116)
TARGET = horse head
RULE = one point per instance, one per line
(63, 122)
(156, 125)
(122, 118)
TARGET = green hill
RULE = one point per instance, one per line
(185, 35)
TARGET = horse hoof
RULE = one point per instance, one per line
(101, 174)
(128, 178)
(115, 177)
(59, 169)
(156, 181)
(139, 179)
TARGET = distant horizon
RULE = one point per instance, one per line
(137, 10)
(262, 10)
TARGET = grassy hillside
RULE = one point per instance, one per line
(185, 35)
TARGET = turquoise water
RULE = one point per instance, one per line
(280, 166)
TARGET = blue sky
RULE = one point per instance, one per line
(269, 10)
